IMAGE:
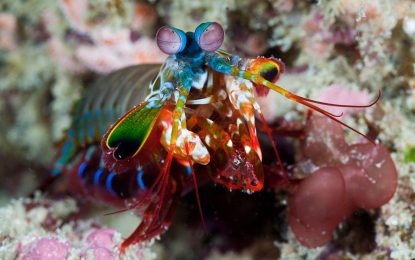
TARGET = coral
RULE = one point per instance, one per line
(28, 74)
(348, 177)
(8, 30)
(342, 95)
(44, 248)
(109, 44)
(40, 229)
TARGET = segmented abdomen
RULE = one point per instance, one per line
(80, 156)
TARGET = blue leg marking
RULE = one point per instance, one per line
(189, 170)
(140, 181)
(56, 171)
(108, 183)
(97, 175)
(81, 169)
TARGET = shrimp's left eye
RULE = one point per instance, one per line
(209, 36)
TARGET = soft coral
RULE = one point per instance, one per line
(348, 177)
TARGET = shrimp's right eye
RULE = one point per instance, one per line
(171, 40)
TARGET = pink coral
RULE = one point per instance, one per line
(100, 244)
(48, 229)
(339, 94)
(320, 38)
(45, 249)
(116, 51)
(101, 253)
(76, 11)
(145, 17)
(8, 26)
(59, 54)
(284, 5)
(101, 238)
(111, 48)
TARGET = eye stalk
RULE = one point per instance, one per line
(171, 40)
(209, 36)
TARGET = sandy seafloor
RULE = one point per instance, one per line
(340, 50)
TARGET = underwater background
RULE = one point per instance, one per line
(340, 51)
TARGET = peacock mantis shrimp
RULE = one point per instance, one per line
(197, 118)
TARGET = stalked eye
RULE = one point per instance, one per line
(268, 68)
(209, 36)
(171, 40)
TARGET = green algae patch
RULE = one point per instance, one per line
(409, 155)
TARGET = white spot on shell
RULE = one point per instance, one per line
(247, 149)
(207, 139)
(200, 81)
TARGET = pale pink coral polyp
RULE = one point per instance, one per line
(101, 238)
(8, 26)
(101, 253)
(111, 55)
(340, 95)
(112, 48)
(46, 249)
